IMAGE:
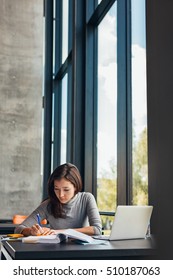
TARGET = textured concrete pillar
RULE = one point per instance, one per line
(21, 49)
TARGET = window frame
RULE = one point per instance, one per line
(81, 66)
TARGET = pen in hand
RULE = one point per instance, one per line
(39, 220)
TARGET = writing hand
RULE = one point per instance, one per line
(36, 230)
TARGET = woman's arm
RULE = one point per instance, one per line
(30, 225)
(87, 230)
(93, 215)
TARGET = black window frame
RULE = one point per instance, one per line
(81, 66)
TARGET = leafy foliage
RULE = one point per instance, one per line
(107, 184)
(140, 170)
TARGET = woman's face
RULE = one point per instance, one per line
(64, 190)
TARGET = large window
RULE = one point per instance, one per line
(99, 87)
(95, 113)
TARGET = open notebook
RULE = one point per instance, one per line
(61, 236)
(130, 222)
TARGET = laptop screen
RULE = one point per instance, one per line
(131, 222)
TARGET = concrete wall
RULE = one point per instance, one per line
(21, 48)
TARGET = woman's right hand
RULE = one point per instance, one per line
(37, 230)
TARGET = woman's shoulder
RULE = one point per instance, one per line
(86, 195)
(86, 198)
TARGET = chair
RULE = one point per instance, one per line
(18, 219)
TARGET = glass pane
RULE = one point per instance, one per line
(64, 120)
(139, 104)
(65, 30)
(107, 111)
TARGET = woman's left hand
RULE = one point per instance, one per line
(48, 231)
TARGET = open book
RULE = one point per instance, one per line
(61, 236)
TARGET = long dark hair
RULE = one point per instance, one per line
(71, 173)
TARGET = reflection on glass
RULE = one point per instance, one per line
(139, 107)
(64, 120)
(107, 111)
(65, 9)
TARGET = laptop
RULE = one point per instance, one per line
(130, 222)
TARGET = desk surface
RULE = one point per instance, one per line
(123, 249)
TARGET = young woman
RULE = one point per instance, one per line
(66, 207)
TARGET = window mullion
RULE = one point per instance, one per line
(124, 110)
